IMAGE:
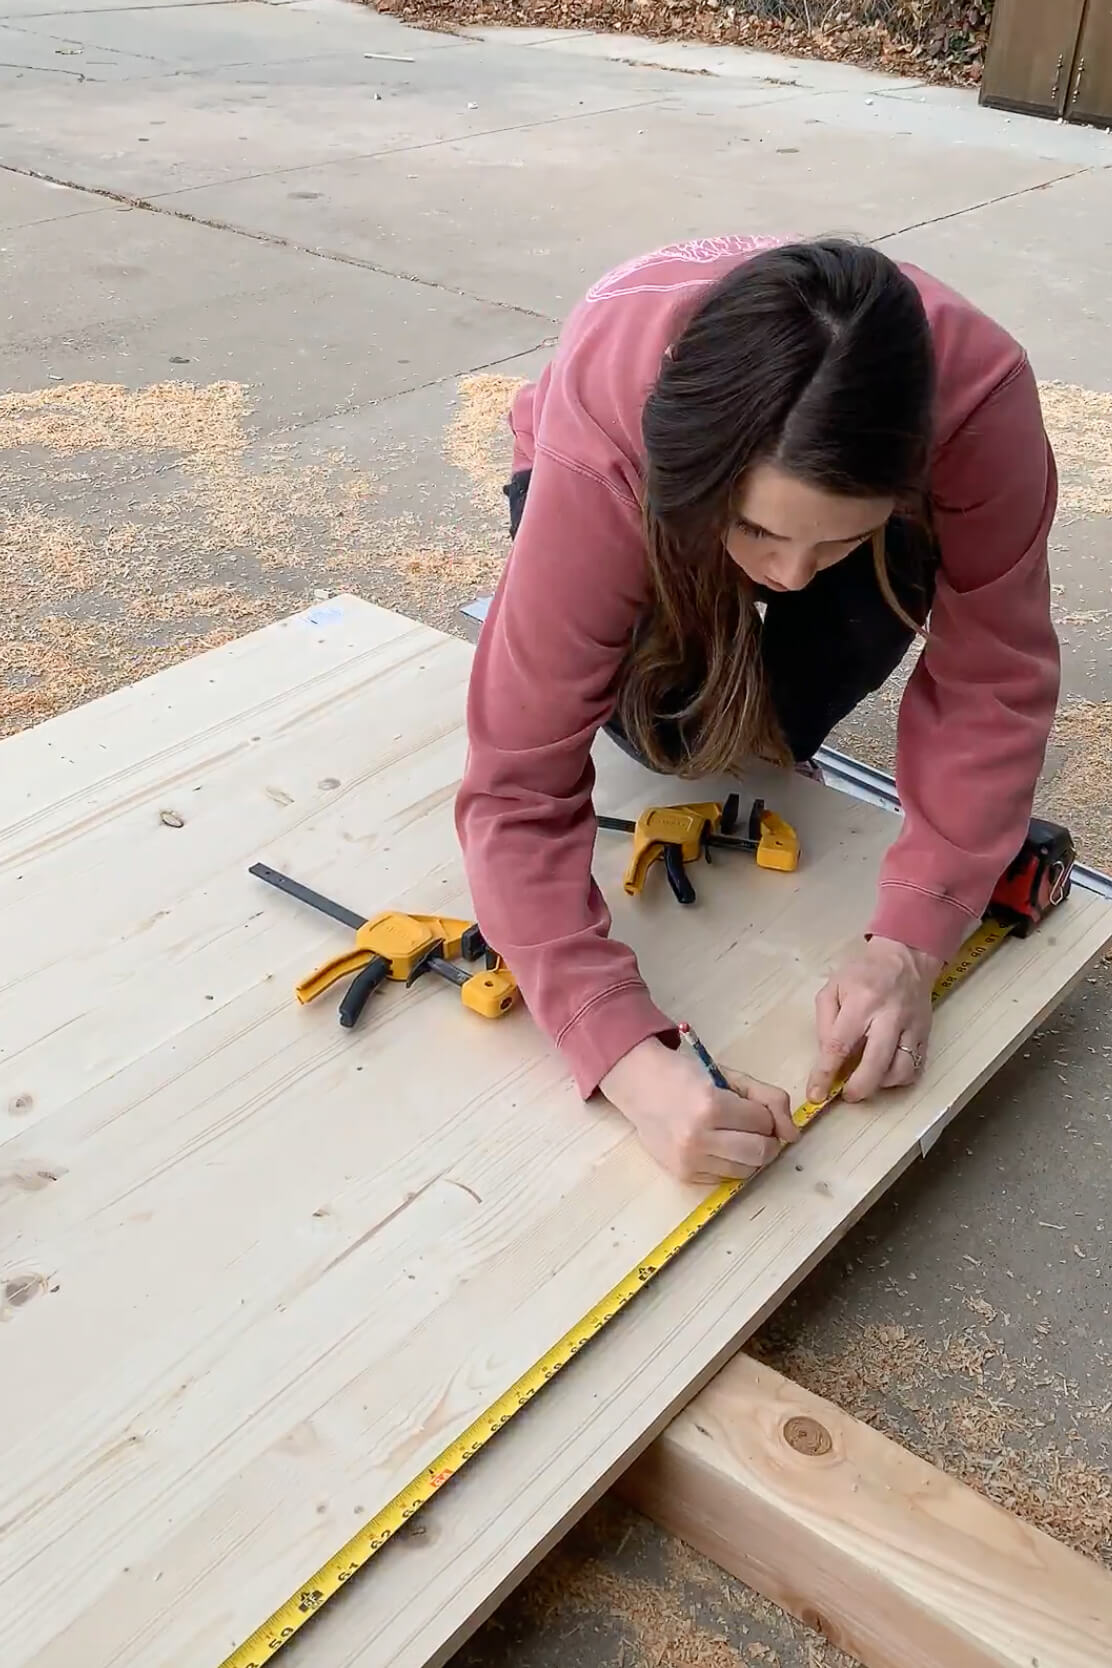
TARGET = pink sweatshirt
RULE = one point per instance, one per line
(973, 723)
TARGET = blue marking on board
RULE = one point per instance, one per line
(328, 613)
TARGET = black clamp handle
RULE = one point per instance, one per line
(682, 888)
(361, 988)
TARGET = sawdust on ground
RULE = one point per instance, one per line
(1079, 423)
(477, 445)
(180, 530)
(478, 436)
(615, 1590)
(1079, 792)
(76, 417)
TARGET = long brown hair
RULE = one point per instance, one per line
(816, 357)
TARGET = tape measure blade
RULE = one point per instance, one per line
(358, 1552)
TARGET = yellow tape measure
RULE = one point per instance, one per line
(281, 1627)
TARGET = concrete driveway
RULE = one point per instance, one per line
(269, 273)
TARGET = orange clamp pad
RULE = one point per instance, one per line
(778, 847)
(490, 993)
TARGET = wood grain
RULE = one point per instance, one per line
(886, 1556)
(257, 1271)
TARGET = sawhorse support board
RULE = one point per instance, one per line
(255, 1271)
(884, 1555)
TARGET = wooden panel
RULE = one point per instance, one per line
(258, 1271)
(886, 1556)
(1030, 53)
(1090, 93)
(482, 1537)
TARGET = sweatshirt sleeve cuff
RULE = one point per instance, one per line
(605, 1030)
(924, 921)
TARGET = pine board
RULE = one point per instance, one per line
(254, 1271)
(887, 1557)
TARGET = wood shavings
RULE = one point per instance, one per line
(63, 664)
(663, 1606)
(189, 532)
(469, 560)
(1079, 791)
(653, 1626)
(648, 1602)
(478, 441)
(91, 416)
(1079, 423)
(32, 536)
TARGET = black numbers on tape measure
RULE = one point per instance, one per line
(646, 1272)
(309, 1601)
(346, 1575)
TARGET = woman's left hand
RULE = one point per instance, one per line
(879, 1002)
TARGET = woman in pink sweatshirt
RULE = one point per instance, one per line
(750, 473)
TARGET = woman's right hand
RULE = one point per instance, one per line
(697, 1131)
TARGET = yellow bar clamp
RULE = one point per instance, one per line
(683, 827)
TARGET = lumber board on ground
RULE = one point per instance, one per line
(885, 1555)
(256, 1271)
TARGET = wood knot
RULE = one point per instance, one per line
(807, 1436)
(30, 1181)
(22, 1288)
